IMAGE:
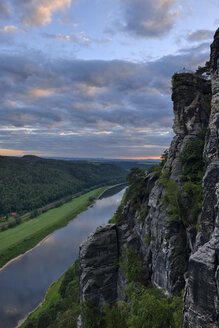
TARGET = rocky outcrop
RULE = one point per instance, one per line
(190, 97)
(174, 254)
(167, 247)
(163, 245)
(202, 288)
(98, 266)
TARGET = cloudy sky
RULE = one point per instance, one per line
(92, 78)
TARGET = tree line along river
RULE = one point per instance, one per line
(24, 282)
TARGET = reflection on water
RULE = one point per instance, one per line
(23, 283)
(112, 191)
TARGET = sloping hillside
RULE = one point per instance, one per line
(31, 182)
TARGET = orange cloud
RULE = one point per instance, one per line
(38, 93)
(10, 29)
(40, 12)
(11, 152)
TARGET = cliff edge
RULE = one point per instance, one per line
(169, 218)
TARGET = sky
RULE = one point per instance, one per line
(92, 78)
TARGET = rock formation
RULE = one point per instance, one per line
(202, 288)
(173, 252)
(98, 257)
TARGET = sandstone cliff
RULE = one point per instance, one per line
(202, 288)
(177, 240)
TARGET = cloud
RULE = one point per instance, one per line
(5, 9)
(8, 34)
(39, 12)
(80, 38)
(200, 35)
(38, 93)
(10, 29)
(89, 107)
(149, 18)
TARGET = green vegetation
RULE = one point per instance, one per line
(150, 308)
(31, 182)
(184, 204)
(61, 306)
(147, 307)
(178, 78)
(119, 217)
(157, 170)
(19, 239)
(133, 266)
(147, 238)
(204, 69)
(129, 164)
(136, 191)
(134, 194)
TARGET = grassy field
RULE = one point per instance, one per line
(18, 240)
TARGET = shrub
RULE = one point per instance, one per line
(90, 314)
(114, 316)
(133, 266)
(147, 238)
(184, 203)
(151, 309)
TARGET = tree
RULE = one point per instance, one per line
(204, 69)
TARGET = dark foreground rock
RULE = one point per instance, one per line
(98, 259)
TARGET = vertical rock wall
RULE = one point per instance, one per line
(98, 270)
(171, 251)
(202, 288)
(163, 245)
(167, 247)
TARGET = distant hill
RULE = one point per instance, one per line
(127, 164)
(31, 157)
(31, 182)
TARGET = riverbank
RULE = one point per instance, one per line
(24, 237)
(57, 297)
(53, 298)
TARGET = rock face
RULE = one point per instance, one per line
(202, 288)
(98, 271)
(170, 250)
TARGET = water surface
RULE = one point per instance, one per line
(24, 282)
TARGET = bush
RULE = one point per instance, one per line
(133, 266)
(184, 203)
(148, 310)
(90, 314)
(34, 214)
(114, 316)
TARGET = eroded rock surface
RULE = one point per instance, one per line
(98, 270)
(202, 288)
(171, 251)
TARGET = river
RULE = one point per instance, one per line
(24, 282)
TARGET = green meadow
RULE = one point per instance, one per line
(19, 239)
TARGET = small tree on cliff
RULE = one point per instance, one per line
(204, 70)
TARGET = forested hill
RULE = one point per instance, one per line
(31, 182)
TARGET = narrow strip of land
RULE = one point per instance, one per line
(18, 240)
(53, 297)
